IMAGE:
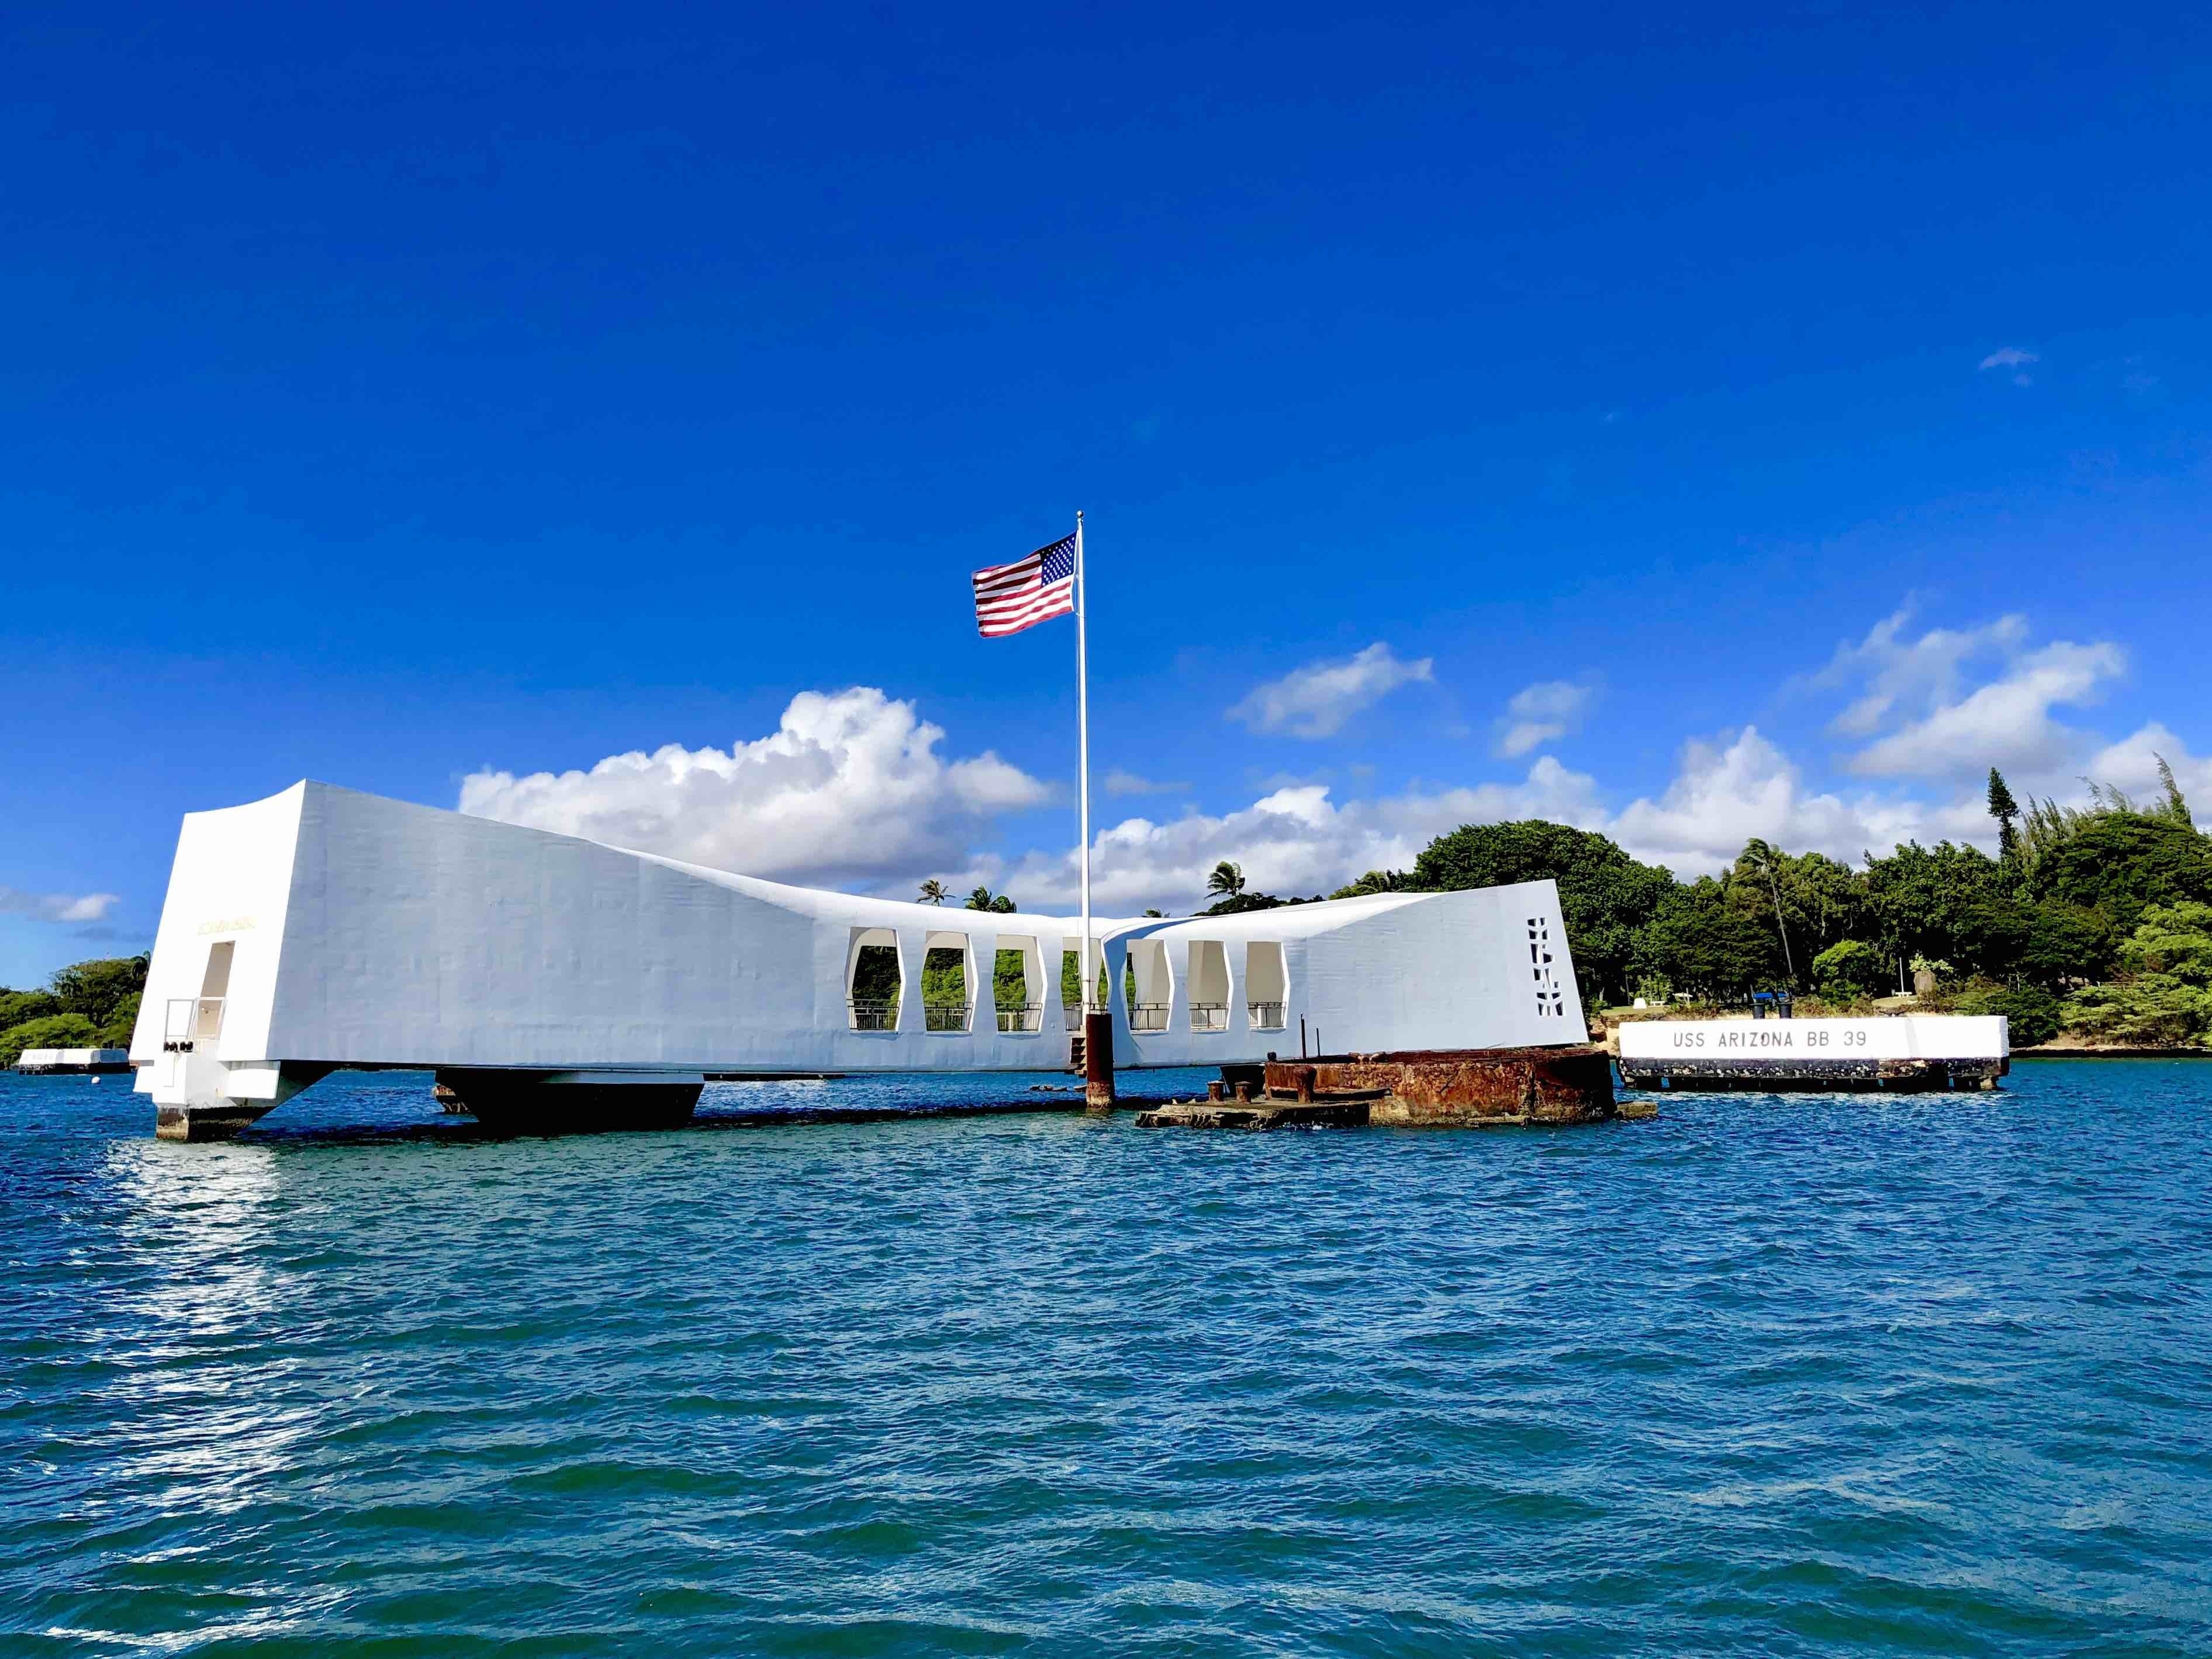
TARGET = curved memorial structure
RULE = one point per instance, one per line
(549, 980)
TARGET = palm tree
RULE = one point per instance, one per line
(1758, 856)
(984, 899)
(1226, 880)
(932, 891)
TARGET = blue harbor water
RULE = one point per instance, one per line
(1813, 1375)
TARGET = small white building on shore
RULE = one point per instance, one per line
(323, 928)
(79, 1060)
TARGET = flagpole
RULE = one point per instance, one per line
(1083, 750)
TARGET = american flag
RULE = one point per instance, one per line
(1012, 597)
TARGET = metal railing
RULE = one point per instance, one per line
(1209, 1016)
(946, 1016)
(874, 1014)
(187, 1021)
(1072, 1012)
(1148, 1016)
(1265, 1016)
(1029, 1016)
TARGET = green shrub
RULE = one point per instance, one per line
(17, 1006)
(2032, 1015)
(1851, 968)
(2149, 1011)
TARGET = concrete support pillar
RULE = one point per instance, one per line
(572, 1103)
(219, 1122)
(1098, 1061)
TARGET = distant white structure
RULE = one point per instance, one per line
(74, 1060)
(323, 928)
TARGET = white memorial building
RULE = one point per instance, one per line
(323, 928)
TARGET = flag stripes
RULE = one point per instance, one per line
(1012, 597)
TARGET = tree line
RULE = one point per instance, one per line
(88, 1004)
(2096, 918)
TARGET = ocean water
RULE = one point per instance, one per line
(1764, 1376)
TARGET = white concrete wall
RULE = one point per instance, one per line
(372, 932)
(232, 880)
(1893, 1036)
(37, 1059)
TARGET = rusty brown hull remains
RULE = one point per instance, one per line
(1444, 1087)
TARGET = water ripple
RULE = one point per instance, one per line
(1783, 1376)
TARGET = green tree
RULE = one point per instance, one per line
(1605, 895)
(1758, 860)
(95, 988)
(2031, 1015)
(2121, 863)
(1226, 880)
(1245, 903)
(1931, 901)
(1852, 968)
(17, 1006)
(933, 891)
(2065, 945)
(2006, 810)
(116, 1034)
(52, 1031)
(1375, 881)
(997, 904)
(2162, 997)
(1699, 941)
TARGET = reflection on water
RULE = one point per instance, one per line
(1764, 1376)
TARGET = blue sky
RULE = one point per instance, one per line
(1691, 425)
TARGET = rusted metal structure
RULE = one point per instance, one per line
(1441, 1087)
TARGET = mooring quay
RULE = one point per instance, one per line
(554, 982)
(1900, 1053)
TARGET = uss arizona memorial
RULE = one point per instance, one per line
(323, 928)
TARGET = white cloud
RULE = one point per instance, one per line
(1119, 782)
(2132, 766)
(1540, 712)
(1316, 701)
(1952, 702)
(2009, 357)
(1296, 840)
(850, 789)
(1724, 794)
(1922, 674)
(58, 907)
(2006, 723)
(1293, 840)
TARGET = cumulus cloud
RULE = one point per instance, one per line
(850, 789)
(1725, 793)
(1119, 782)
(2006, 723)
(58, 907)
(1951, 702)
(1298, 840)
(1541, 712)
(1294, 840)
(1920, 674)
(2132, 766)
(1316, 701)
